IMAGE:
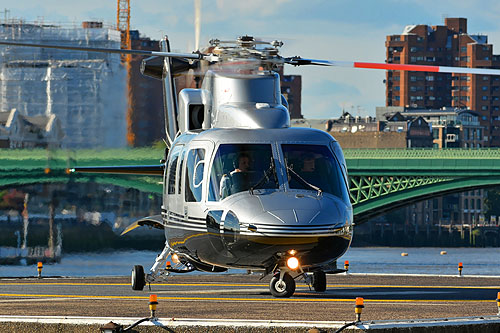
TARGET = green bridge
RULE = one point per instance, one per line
(380, 179)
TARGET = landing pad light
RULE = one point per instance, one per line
(39, 268)
(153, 302)
(358, 308)
(498, 303)
(168, 265)
(292, 263)
(460, 267)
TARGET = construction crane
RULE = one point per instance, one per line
(123, 25)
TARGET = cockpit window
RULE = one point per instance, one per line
(239, 167)
(313, 167)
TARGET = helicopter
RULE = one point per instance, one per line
(241, 188)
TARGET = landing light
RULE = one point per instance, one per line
(175, 258)
(292, 263)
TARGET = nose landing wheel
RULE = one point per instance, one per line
(282, 285)
(138, 278)
(319, 281)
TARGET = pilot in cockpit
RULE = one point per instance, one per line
(308, 170)
(236, 180)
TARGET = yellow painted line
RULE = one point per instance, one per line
(63, 284)
(416, 287)
(245, 285)
(320, 300)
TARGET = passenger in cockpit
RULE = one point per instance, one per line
(236, 181)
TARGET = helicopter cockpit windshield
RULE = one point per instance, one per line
(313, 167)
(240, 167)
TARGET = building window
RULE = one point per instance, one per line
(484, 108)
(429, 78)
(485, 78)
(463, 49)
(413, 78)
(396, 38)
(484, 98)
(484, 88)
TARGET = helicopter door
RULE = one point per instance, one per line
(171, 181)
(196, 168)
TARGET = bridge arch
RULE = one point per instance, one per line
(385, 179)
(422, 190)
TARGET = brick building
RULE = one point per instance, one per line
(446, 45)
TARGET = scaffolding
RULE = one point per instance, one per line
(85, 90)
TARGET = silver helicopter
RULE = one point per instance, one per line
(241, 189)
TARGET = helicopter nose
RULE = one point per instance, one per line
(303, 210)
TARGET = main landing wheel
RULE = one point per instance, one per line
(138, 278)
(319, 281)
(284, 288)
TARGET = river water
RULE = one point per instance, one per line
(476, 261)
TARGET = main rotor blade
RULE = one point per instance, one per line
(106, 50)
(145, 170)
(297, 61)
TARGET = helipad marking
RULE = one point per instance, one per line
(244, 285)
(243, 299)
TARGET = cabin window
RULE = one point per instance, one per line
(310, 167)
(195, 165)
(172, 169)
(239, 167)
(179, 183)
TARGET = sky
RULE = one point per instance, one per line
(319, 29)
